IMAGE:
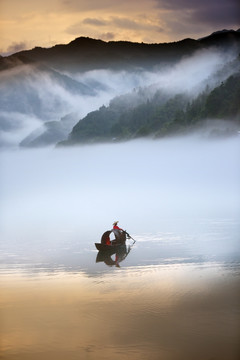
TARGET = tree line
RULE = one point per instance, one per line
(128, 117)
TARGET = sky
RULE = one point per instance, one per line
(25, 24)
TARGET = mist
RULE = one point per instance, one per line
(192, 74)
(32, 97)
(51, 197)
(71, 195)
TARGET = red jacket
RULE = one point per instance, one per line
(116, 227)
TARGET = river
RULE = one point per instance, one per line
(174, 295)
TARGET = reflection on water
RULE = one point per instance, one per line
(173, 297)
(196, 242)
(144, 312)
(119, 254)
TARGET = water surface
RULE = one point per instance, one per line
(176, 293)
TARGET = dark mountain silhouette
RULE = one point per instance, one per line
(41, 83)
(219, 34)
(85, 53)
(12, 61)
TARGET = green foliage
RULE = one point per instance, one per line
(224, 101)
(128, 116)
(95, 126)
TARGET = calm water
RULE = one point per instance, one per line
(175, 294)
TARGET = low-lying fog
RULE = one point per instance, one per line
(30, 97)
(56, 196)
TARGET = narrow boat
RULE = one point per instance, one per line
(107, 245)
(112, 247)
(107, 248)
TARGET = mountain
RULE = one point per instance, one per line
(51, 132)
(161, 115)
(34, 94)
(221, 34)
(20, 88)
(83, 54)
(41, 87)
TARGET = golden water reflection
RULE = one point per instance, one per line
(173, 312)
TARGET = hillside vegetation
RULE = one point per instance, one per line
(156, 117)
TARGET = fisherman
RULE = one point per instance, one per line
(115, 226)
(117, 231)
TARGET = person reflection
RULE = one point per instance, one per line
(119, 255)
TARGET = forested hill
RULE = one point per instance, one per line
(84, 54)
(127, 117)
(44, 92)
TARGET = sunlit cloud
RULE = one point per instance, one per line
(106, 5)
(115, 22)
(15, 47)
(107, 36)
(93, 21)
(47, 23)
(132, 24)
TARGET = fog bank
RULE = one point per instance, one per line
(31, 96)
(48, 195)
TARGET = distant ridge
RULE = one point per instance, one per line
(85, 53)
(224, 36)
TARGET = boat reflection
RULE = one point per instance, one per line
(114, 256)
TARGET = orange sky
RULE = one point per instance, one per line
(26, 23)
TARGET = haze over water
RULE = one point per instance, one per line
(175, 295)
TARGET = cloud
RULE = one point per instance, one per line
(113, 22)
(191, 74)
(195, 4)
(84, 5)
(130, 24)
(218, 12)
(215, 12)
(106, 5)
(227, 14)
(107, 36)
(126, 23)
(93, 21)
(15, 47)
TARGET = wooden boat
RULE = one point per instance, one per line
(112, 247)
(107, 248)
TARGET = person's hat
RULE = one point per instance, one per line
(115, 222)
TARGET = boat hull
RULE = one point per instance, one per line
(108, 248)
